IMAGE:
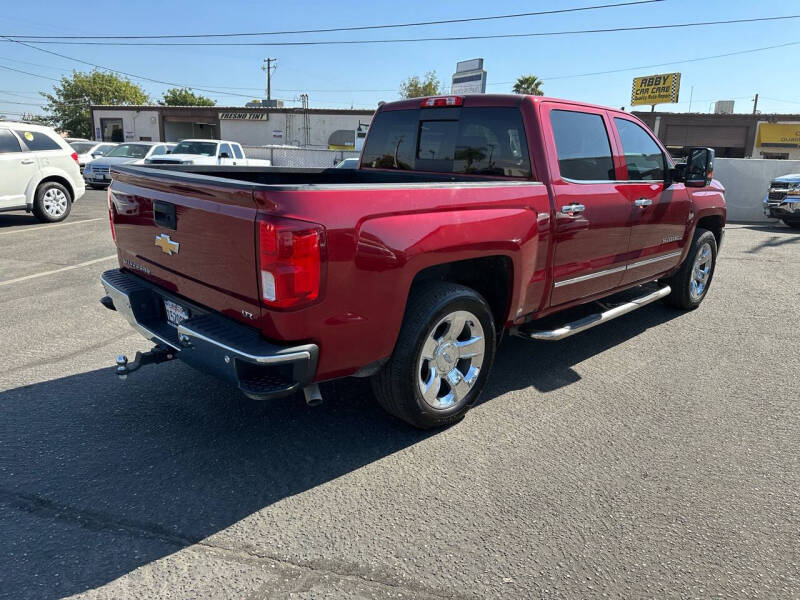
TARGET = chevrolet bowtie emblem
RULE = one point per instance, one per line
(167, 245)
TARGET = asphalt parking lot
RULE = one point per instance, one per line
(653, 457)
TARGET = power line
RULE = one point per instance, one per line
(28, 73)
(664, 64)
(142, 77)
(425, 39)
(332, 29)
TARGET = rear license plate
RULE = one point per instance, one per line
(176, 314)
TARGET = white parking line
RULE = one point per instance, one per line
(54, 271)
(43, 227)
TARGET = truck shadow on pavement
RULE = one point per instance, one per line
(99, 477)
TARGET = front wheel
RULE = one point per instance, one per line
(52, 202)
(792, 224)
(690, 283)
(442, 358)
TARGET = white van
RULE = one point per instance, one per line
(39, 171)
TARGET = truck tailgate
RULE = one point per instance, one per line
(196, 239)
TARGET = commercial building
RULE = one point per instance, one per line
(774, 136)
(324, 128)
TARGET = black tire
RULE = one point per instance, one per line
(792, 224)
(42, 200)
(683, 294)
(397, 384)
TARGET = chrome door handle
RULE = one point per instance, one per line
(643, 202)
(27, 161)
(573, 209)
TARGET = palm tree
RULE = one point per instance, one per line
(528, 84)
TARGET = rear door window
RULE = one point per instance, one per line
(476, 141)
(643, 156)
(237, 151)
(8, 142)
(583, 147)
(37, 140)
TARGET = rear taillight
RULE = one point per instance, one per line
(290, 257)
(111, 216)
(74, 156)
(442, 101)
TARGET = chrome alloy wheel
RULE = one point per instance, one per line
(54, 202)
(701, 271)
(451, 360)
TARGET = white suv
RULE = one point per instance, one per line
(39, 171)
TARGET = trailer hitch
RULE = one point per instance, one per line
(158, 354)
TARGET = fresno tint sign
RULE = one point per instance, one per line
(244, 116)
(656, 89)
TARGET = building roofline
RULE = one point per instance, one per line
(159, 107)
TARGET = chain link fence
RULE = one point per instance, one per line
(289, 156)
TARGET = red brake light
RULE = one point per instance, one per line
(111, 216)
(74, 156)
(442, 101)
(289, 262)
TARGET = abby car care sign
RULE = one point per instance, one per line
(656, 89)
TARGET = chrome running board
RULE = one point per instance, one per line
(593, 320)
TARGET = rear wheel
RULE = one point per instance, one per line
(52, 202)
(690, 283)
(792, 224)
(442, 358)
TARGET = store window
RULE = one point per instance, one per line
(111, 130)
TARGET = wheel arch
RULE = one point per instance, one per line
(57, 179)
(491, 276)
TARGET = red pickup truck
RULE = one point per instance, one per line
(468, 217)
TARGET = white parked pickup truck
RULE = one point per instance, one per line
(207, 152)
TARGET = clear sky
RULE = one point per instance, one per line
(361, 75)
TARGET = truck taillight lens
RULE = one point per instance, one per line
(74, 156)
(290, 256)
(111, 216)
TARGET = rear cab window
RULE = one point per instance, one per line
(237, 151)
(38, 140)
(468, 140)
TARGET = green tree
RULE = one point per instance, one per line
(414, 87)
(528, 84)
(184, 97)
(68, 105)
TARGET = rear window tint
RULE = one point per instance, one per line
(8, 142)
(36, 140)
(476, 141)
(584, 152)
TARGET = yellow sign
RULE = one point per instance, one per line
(778, 135)
(656, 89)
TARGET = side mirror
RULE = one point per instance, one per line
(96, 154)
(224, 155)
(169, 152)
(699, 167)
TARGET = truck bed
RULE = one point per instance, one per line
(289, 176)
(380, 229)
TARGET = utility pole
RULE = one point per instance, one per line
(270, 64)
(755, 104)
